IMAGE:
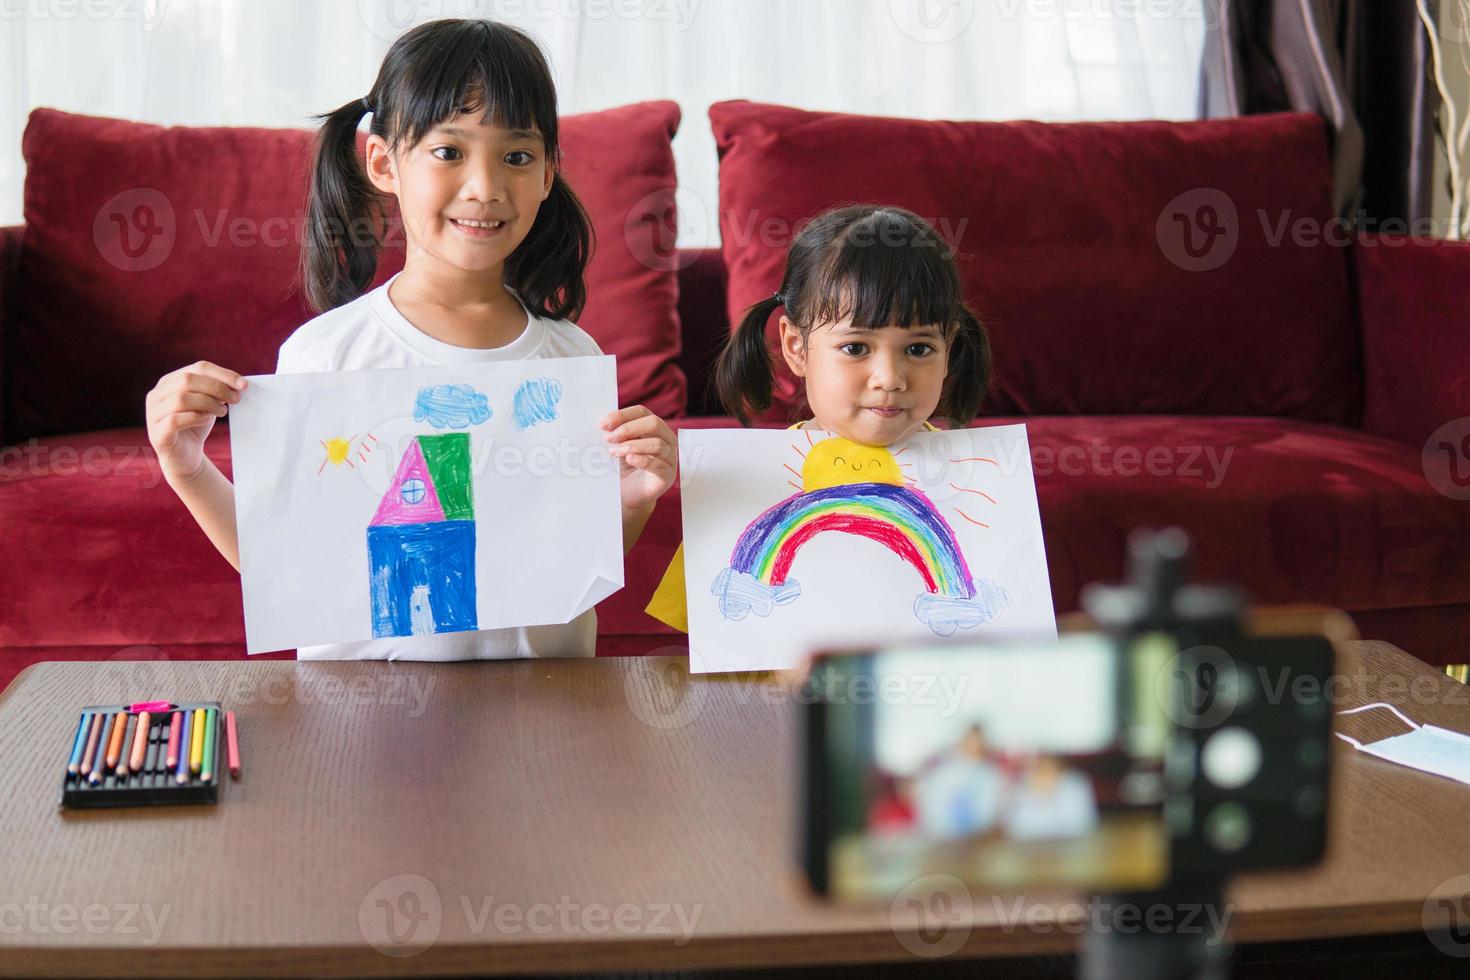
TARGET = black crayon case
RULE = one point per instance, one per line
(156, 784)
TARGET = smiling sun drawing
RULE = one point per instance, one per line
(839, 462)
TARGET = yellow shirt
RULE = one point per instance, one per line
(670, 602)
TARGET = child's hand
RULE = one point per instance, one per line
(181, 410)
(649, 452)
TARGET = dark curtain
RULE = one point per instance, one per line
(1362, 64)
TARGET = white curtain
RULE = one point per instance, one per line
(276, 62)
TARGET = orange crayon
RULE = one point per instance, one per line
(115, 744)
(140, 741)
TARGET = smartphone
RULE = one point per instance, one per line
(1095, 762)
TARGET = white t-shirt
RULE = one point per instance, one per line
(369, 332)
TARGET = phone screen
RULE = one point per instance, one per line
(1004, 766)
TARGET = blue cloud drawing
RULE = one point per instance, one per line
(946, 614)
(741, 593)
(451, 406)
(535, 402)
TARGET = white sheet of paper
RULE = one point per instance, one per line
(346, 534)
(936, 537)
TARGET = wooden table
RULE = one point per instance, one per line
(562, 815)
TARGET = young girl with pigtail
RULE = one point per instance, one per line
(463, 133)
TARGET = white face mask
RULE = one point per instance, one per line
(1427, 748)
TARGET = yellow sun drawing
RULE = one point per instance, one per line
(839, 462)
(338, 450)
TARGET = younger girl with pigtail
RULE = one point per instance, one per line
(875, 326)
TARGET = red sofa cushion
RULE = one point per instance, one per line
(101, 318)
(1411, 297)
(1070, 253)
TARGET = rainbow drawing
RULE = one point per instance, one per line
(901, 518)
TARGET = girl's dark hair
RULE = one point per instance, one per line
(884, 267)
(430, 74)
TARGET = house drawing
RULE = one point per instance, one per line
(421, 542)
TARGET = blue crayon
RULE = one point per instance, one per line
(98, 768)
(183, 772)
(80, 745)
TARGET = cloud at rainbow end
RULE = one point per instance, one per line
(741, 593)
(947, 614)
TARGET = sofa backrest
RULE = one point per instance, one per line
(1122, 268)
(1068, 248)
(147, 248)
(703, 325)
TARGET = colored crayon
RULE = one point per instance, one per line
(152, 707)
(125, 746)
(232, 744)
(175, 727)
(140, 741)
(98, 721)
(84, 728)
(99, 764)
(196, 744)
(114, 745)
(211, 724)
(183, 771)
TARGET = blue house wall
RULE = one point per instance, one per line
(437, 558)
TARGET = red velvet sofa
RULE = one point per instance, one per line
(1294, 396)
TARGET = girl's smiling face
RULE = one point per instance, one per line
(875, 386)
(468, 191)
